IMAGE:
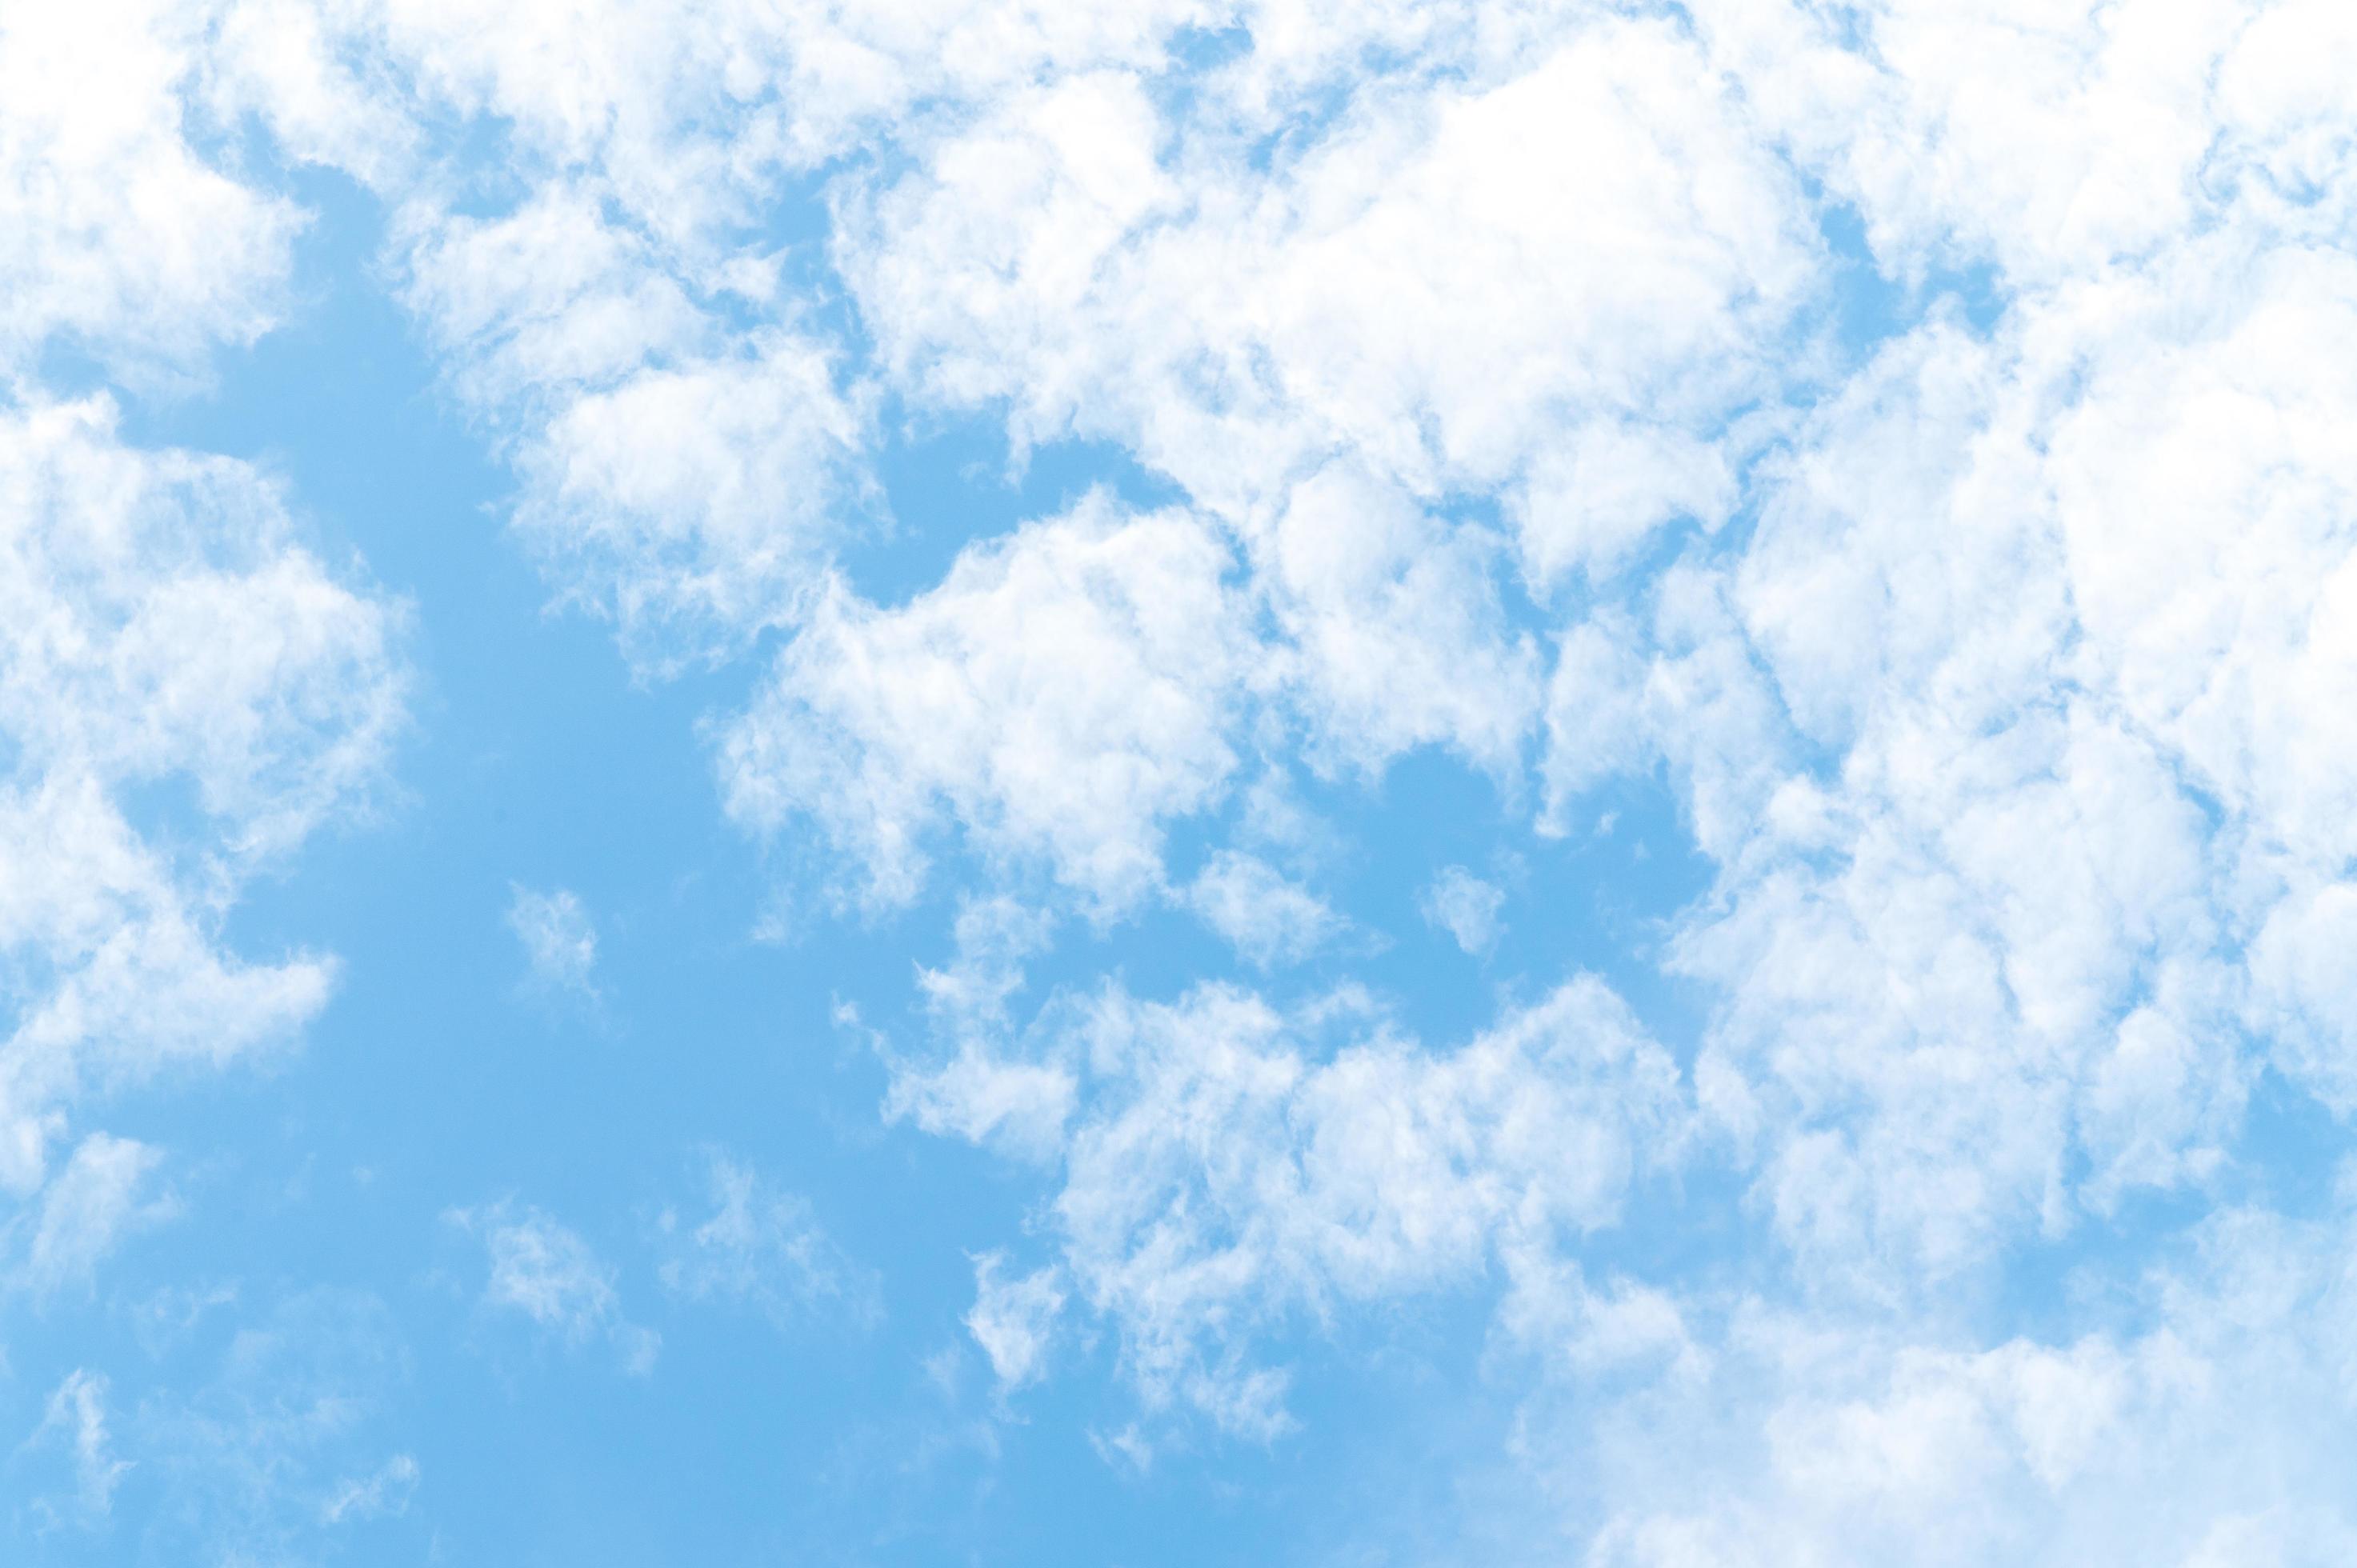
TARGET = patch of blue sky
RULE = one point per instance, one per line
(1875, 300)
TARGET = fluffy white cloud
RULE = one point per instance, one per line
(186, 692)
(1266, 915)
(117, 239)
(1389, 289)
(681, 476)
(2007, 723)
(2060, 608)
(1064, 693)
(2201, 1424)
(1400, 322)
(2001, 679)
(1226, 1166)
(1393, 632)
(1981, 944)
(981, 1087)
(2051, 141)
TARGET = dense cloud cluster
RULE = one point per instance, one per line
(1507, 368)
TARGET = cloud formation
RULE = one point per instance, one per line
(559, 944)
(1906, 441)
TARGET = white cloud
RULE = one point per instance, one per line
(698, 499)
(116, 238)
(1013, 1319)
(1465, 907)
(76, 1417)
(1398, 322)
(1064, 691)
(760, 1248)
(1998, 788)
(1388, 289)
(981, 1089)
(286, 63)
(559, 944)
(2048, 835)
(2205, 1427)
(1393, 633)
(2003, 683)
(2052, 140)
(164, 632)
(1981, 945)
(679, 476)
(545, 1272)
(688, 448)
(1598, 713)
(1265, 914)
(1230, 1165)
(86, 1210)
(1590, 503)
(2306, 999)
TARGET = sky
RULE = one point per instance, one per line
(957, 781)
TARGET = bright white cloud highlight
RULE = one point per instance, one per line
(186, 693)
(117, 238)
(1064, 692)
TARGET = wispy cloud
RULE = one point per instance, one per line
(559, 944)
(1466, 907)
(758, 1247)
(547, 1274)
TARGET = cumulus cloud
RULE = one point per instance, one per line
(1390, 292)
(1064, 692)
(2188, 1423)
(117, 238)
(163, 633)
(2002, 722)
(1227, 1165)
(1263, 913)
(682, 478)
(1995, 658)
(2045, 828)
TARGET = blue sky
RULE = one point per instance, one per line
(1171, 784)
